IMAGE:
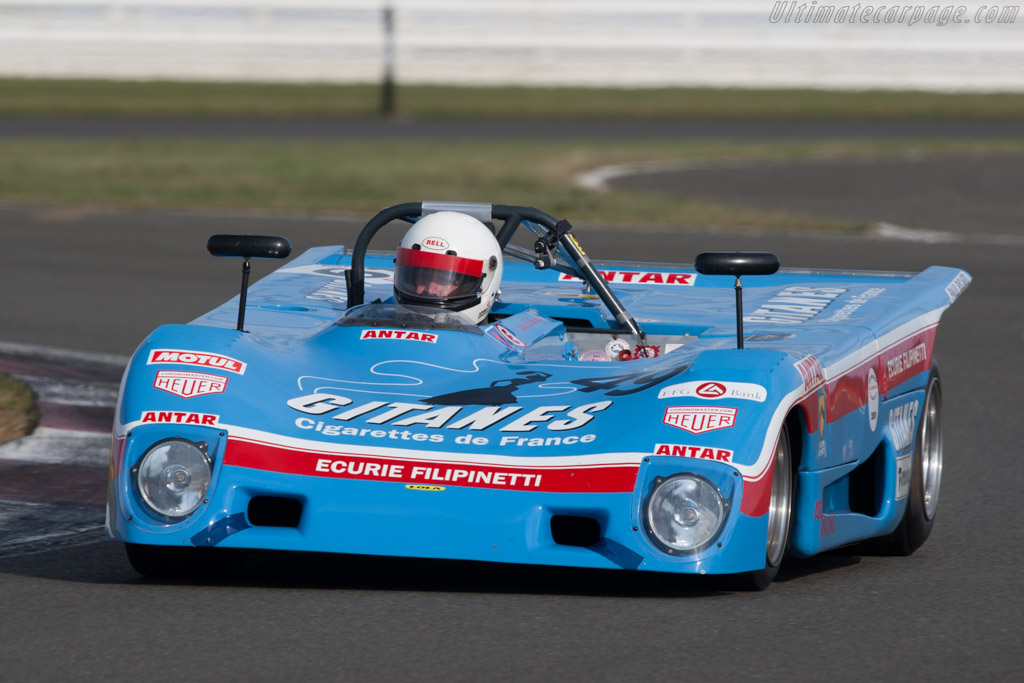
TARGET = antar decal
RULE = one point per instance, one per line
(409, 335)
(179, 418)
(811, 372)
(639, 277)
(701, 452)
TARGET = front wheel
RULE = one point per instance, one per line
(780, 520)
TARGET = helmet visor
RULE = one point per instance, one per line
(430, 276)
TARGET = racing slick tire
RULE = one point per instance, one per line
(925, 477)
(780, 519)
(164, 562)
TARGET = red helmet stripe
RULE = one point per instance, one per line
(429, 259)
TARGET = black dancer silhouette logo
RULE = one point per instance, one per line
(499, 393)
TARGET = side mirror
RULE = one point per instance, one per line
(737, 263)
(247, 247)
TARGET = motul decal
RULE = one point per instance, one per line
(409, 335)
(639, 277)
(175, 417)
(700, 419)
(189, 384)
(198, 358)
(699, 452)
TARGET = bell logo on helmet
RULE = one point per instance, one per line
(435, 243)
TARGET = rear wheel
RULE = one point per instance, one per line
(168, 562)
(925, 478)
(780, 520)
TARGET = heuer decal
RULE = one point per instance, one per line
(197, 358)
(700, 419)
(872, 399)
(410, 335)
(173, 417)
(716, 391)
(902, 423)
(189, 384)
(795, 305)
(402, 414)
(700, 452)
(903, 476)
(639, 277)
(811, 372)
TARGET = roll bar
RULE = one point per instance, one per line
(557, 233)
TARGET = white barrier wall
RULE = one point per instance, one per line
(740, 43)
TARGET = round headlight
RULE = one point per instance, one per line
(685, 513)
(173, 478)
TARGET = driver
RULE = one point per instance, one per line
(449, 260)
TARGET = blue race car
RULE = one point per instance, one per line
(440, 402)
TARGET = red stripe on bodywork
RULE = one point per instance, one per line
(757, 494)
(616, 478)
(849, 392)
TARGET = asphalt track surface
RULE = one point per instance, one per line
(100, 281)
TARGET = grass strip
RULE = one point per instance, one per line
(18, 412)
(363, 176)
(87, 98)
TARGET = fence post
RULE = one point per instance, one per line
(387, 99)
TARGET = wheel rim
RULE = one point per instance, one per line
(931, 451)
(779, 508)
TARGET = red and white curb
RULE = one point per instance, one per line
(53, 482)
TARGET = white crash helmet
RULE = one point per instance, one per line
(449, 260)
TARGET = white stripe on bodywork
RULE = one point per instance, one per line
(445, 457)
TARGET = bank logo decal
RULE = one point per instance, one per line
(716, 391)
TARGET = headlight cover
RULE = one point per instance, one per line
(684, 513)
(173, 477)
